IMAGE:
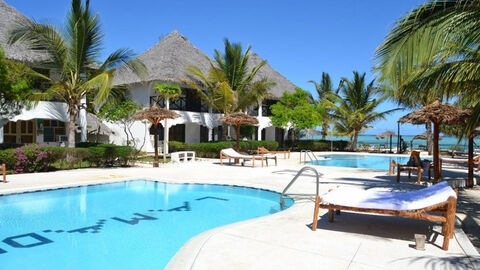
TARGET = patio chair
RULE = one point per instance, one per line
(415, 164)
(262, 151)
(419, 204)
(232, 154)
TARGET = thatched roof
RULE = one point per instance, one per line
(282, 84)
(166, 61)
(422, 136)
(9, 16)
(437, 112)
(238, 118)
(386, 134)
(155, 114)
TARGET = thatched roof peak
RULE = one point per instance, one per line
(166, 61)
(9, 16)
(155, 114)
(282, 84)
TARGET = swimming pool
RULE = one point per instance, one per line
(127, 225)
(374, 162)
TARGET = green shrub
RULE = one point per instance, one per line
(8, 157)
(321, 145)
(212, 149)
(109, 155)
(124, 154)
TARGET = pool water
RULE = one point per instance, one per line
(127, 225)
(374, 162)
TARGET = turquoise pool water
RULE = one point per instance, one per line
(374, 162)
(127, 225)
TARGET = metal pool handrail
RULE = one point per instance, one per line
(306, 153)
(306, 168)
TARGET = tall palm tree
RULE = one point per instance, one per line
(354, 107)
(325, 92)
(230, 85)
(73, 59)
(167, 91)
(435, 47)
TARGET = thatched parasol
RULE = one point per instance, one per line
(238, 119)
(438, 113)
(155, 115)
(387, 134)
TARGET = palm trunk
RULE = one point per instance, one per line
(224, 132)
(126, 133)
(428, 127)
(165, 133)
(324, 131)
(71, 129)
(354, 141)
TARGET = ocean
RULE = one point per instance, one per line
(445, 143)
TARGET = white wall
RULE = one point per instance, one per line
(141, 93)
(192, 133)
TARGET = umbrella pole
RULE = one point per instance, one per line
(155, 145)
(436, 161)
(470, 162)
(238, 138)
(165, 143)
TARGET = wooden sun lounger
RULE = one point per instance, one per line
(230, 154)
(262, 151)
(476, 160)
(445, 210)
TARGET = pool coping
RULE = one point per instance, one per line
(186, 256)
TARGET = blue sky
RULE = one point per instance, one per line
(300, 39)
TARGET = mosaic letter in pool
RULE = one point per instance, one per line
(128, 225)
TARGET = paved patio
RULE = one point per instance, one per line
(284, 240)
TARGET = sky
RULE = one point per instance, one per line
(300, 39)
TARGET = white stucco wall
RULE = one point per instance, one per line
(141, 93)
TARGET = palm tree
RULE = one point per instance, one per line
(354, 108)
(168, 92)
(73, 59)
(325, 91)
(435, 47)
(230, 85)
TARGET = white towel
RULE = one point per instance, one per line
(400, 201)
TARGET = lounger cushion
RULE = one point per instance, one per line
(399, 201)
(234, 154)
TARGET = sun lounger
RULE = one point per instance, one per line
(419, 204)
(232, 154)
(476, 159)
(263, 151)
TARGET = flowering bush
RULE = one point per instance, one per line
(31, 158)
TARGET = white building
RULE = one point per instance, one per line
(166, 62)
(46, 123)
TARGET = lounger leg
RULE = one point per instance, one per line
(450, 224)
(419, 176)
(337, 212)
(409, 173)
(398, 175)
(253, 162)
(330, 215)
(275, 161)
(315, 213)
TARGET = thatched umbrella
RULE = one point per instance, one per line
(438, 113)
(155, 115)
(422, 136)
(238, 119)
(387, 134)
